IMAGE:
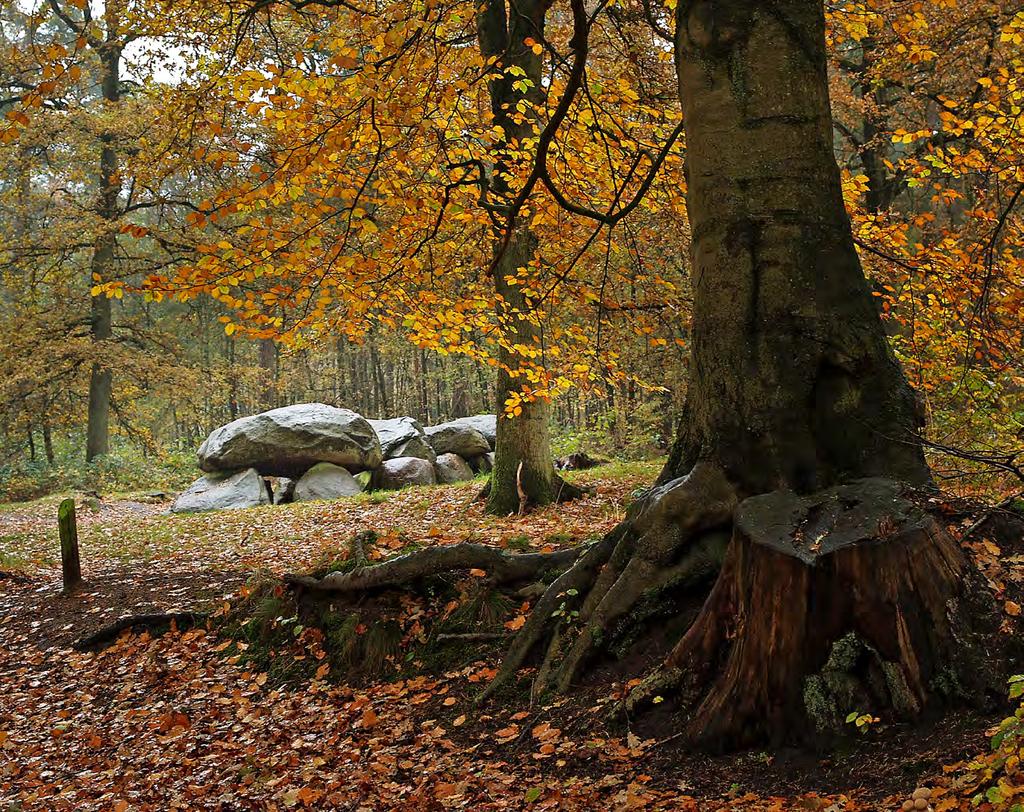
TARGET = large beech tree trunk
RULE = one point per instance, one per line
(792, 382)
(523, 471)
(793, 388)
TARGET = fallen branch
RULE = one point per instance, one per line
(145, 622)
(502, 567)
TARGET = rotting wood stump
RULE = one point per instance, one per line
(851, 595)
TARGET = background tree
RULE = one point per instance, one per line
(366, 197)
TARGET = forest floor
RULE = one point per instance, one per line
(187, 721)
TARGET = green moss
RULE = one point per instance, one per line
(846, 651)
(520, 542)
(903, 700)
(485, 610)
(819, 705)
(381, 643)
(373, 497)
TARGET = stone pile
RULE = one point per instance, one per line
(312, 451)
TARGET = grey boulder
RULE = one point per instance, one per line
(414, 447)
(457, 438)
(325, 480)
(452, 468)
(283, 490)
(287, 441)
(486, 424)
(223, 491)
(395, 432)
(403, 472)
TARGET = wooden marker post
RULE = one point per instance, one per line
(71, 566)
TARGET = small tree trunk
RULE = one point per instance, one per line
(48, 441)
(102, 266)
(268, 364)
(522, 459)
(379, 385)
(233, 378)
(71, 567)
(523, 450)
(101, 379)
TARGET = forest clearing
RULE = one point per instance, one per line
(511, 404)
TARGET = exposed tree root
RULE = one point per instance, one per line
(471, 637)
(853, 598)
(566, 492)
(576, 577)
(657, 544)
(502, 567)
(145, 622)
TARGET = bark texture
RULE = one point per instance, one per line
(792, 383)
(523, 462)
(102, 266)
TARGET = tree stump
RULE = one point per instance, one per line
(67, 527)
(855, 579)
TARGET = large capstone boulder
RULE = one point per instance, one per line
(403, 472)
(457, 438)
(325, 480)
(394, 433)
(223, 491)
(287, 441)
(486, 424)
(452, 468)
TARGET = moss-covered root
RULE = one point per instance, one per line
(661, 542)
(404, 570)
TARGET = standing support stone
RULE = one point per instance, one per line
(70, 564)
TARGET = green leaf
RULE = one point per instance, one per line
(532, 794)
